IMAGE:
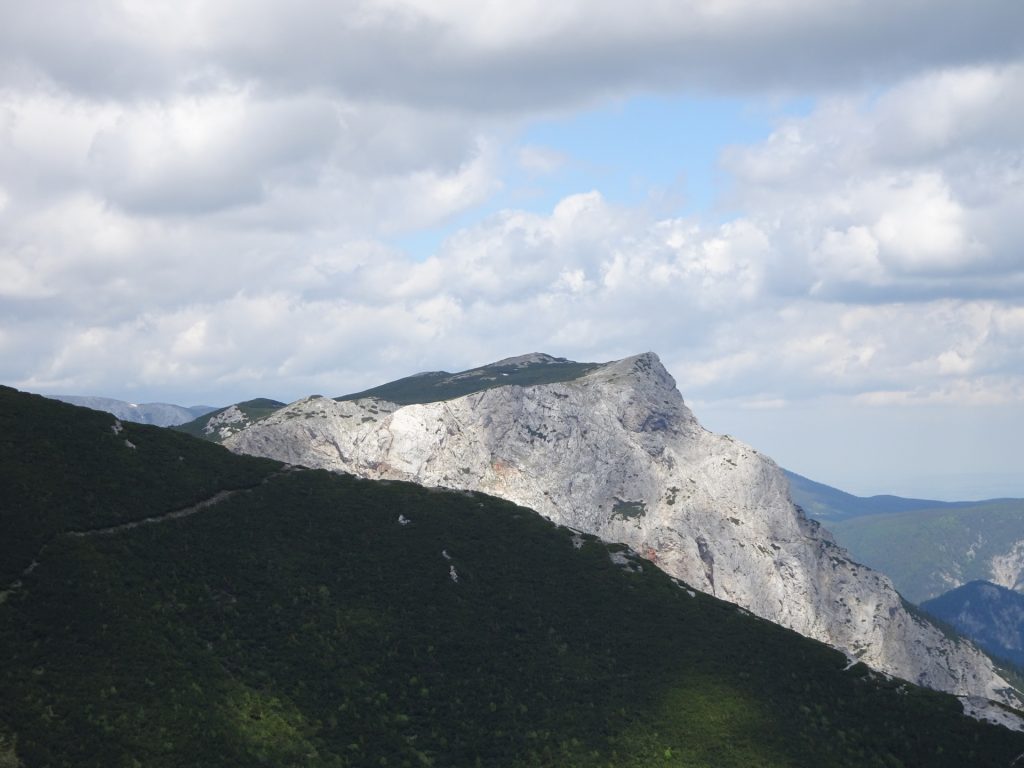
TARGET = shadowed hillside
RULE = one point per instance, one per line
(262, 616)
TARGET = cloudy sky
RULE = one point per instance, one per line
(813, 211)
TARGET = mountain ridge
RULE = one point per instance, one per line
(926, 547)
(828, 503)
(435, 386)
(157, 414)
(617, 453)
(310, 618)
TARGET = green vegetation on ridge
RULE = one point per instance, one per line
(300, 622)
(250, 411)
(70, 468)
(440, 385)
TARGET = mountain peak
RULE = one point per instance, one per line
(612, 450)
(645, 362)
(646, 367)
(532, 358)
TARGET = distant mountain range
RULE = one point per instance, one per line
(943, 555)
(825, 503)
(158, 414)
(926, 547)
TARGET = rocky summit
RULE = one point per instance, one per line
(615, 452)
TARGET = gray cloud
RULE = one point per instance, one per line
(204, 155)
(495, 56)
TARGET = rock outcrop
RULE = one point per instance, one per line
(1007, 569)
(617, 453)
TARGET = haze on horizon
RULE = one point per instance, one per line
(811, 211)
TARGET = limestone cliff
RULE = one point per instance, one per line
(617, 453)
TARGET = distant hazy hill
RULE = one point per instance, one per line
(168, 603)
(826, 503)
(926, 547)
(221, 423)
(991, 615)
(159, 414)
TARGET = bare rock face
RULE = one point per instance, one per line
(1007, 569)
(618, 454)
(226, 423)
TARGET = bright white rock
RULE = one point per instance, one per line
(226, 423)
(1007, 569)
(618, 454)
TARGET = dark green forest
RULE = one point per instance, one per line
(321, 620)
